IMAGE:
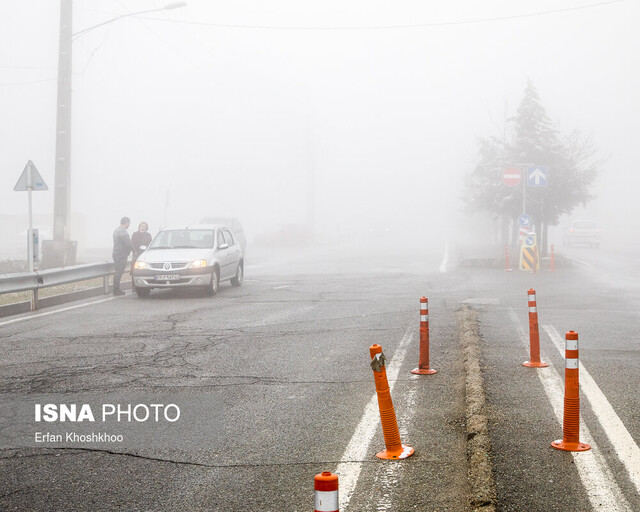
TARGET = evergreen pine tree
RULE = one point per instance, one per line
(570, 160)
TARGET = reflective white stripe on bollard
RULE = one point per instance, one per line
(326, 501)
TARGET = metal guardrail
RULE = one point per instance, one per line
(35, 281)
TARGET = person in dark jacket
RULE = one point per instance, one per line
(121, 249)
(140, 239)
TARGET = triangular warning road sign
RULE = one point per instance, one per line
(30, 179)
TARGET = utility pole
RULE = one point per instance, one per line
(62, 193)
(62, 251)
(310, 162)
(311, 182)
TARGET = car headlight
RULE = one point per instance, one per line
(140, 265)
(198, 264)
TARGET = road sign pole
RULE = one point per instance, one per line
(30, 233)
(29, 181)
(524, 197)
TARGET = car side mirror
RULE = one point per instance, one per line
(223, 246)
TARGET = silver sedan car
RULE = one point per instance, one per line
(203, 255)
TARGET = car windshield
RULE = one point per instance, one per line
(183, 239)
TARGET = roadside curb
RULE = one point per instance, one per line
(483, 491)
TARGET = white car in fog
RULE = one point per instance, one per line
(582, 232)
(203, 255)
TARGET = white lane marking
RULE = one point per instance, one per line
(482, 301)
(597, 479)
(349, 469)
(280, 316)
(281, 287)
(267, 264)
(581, 262)
(47, 313)
(626, 448)
(445, 259)
(390, 474)
(599, 483)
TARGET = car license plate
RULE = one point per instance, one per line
(168, 277)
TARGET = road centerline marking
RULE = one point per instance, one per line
(351, 461)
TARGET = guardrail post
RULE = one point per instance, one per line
(34, 299)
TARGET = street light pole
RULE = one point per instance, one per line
(61, 252)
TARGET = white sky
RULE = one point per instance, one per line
(232, 120)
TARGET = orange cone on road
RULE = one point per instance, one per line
(570, 441)
(423, 362)
(394, 447)
(534, 334)
(326, 492)
(507, 265)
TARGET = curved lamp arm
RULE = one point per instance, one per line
(172, 5)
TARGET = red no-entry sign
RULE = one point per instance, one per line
(511, 176)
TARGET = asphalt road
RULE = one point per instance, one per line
(274, 385)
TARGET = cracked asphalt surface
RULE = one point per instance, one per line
(280, 371)
(273, 379)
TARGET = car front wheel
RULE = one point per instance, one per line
(237, 280)
(214, 286)
(143, 292)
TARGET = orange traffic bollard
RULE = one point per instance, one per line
(423, 362)
(552, 260)
(326, 487)
(534, 334)
(394, 447)
(507, 265)
(570, 441)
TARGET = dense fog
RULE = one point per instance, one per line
(343, 118)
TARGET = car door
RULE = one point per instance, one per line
(222, 255)
(235, 252)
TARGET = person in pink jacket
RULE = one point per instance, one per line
(140, 239)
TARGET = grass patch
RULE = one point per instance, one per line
(12, 298)
(13, 266)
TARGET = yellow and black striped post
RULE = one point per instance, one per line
(529, 260)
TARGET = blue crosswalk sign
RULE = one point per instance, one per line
(537, 176)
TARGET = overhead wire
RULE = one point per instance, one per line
(158, 35)
(390, 27)
(28, 82)
(331, 28)
(28, 67)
